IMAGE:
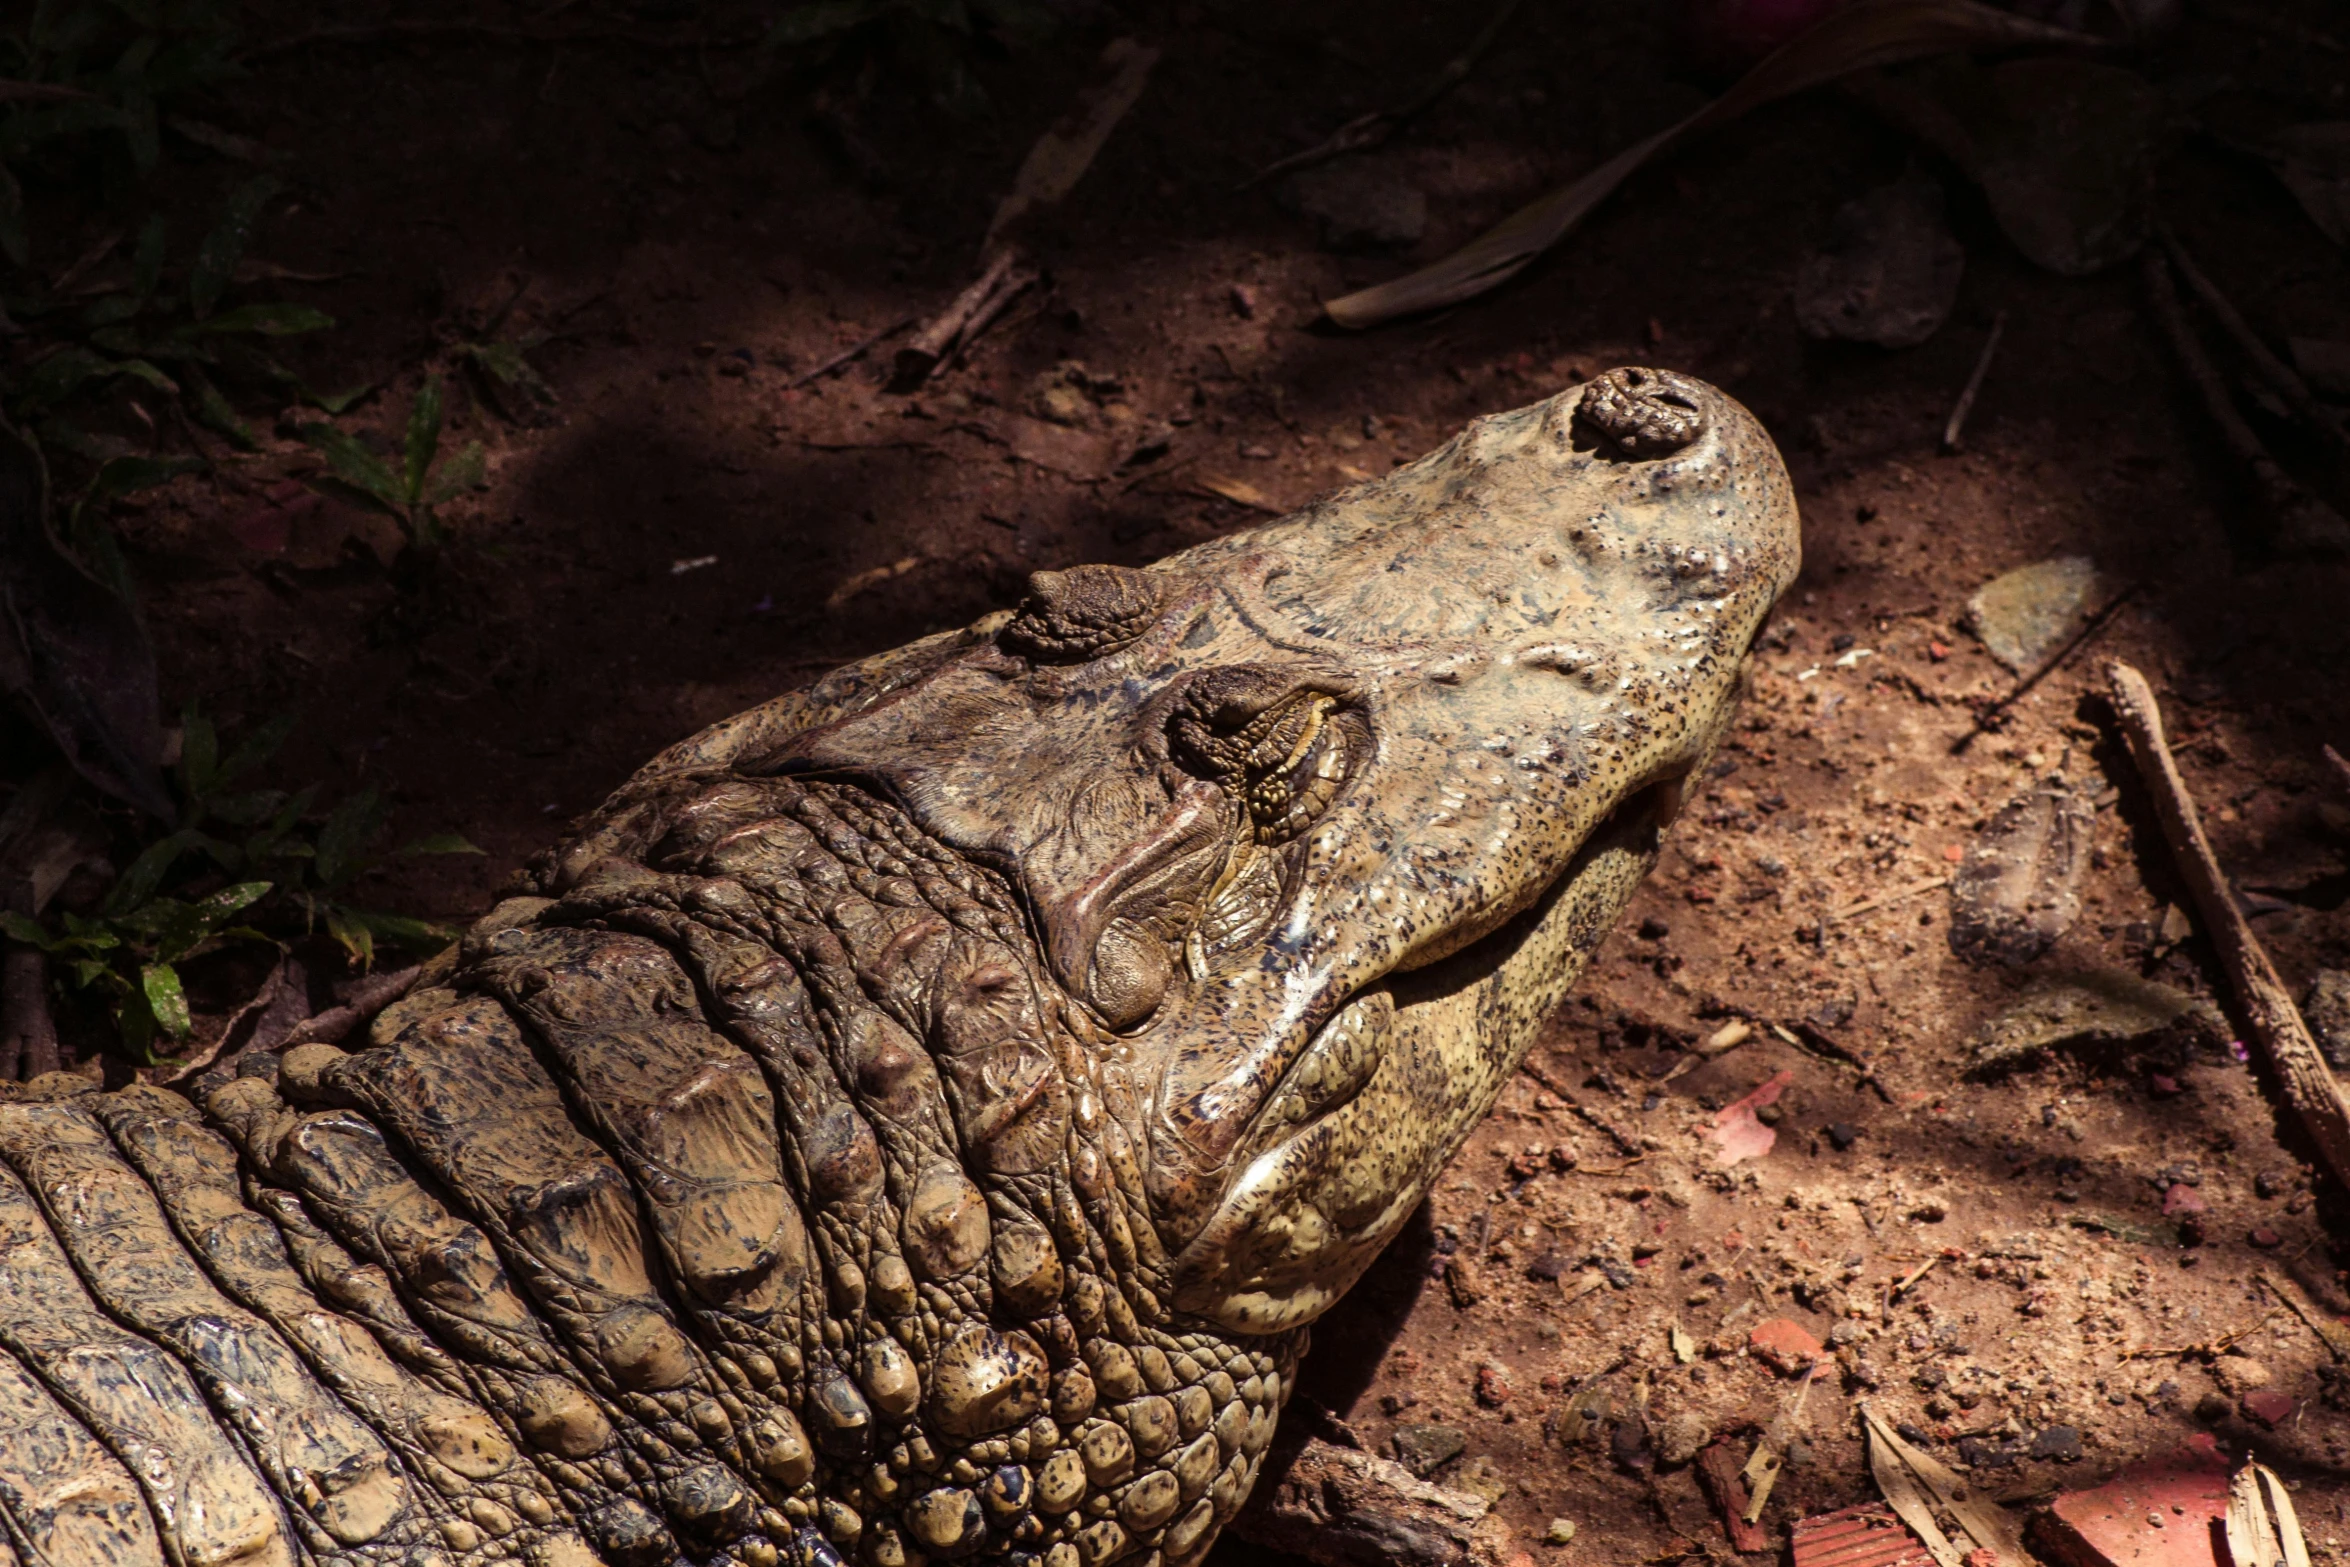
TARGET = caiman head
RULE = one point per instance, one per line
(1313, 824)
(914, 1121)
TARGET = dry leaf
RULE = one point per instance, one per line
(1915, 1485)
(1062, 154)
(2314, 163)
(1240, 492)
(1866, 34)
(872, 576)
(1684, 1347)
(2262, 1529)
(1737, 1134)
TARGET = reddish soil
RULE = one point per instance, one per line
(692, 248)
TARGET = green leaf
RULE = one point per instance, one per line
(399, 929)
(217, 257)
(356, 938)
(229, 901)
(13, 242)
(820, 19)
(356, 466)
(247, 809)
(23, 928)
(439, 843)
(58, 377)
(137, 885)
(279, 318)
(129, 475)
(424, 436)
(199, 753)
(213, 411)
(256, 749)
(147, 258)
(459, 474)
(335, 402)
(343, 841)
(137, 1023)
(504, 363)
(160, 983)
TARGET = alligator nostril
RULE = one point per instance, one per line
(1641, 412)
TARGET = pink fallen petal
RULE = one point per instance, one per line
(1737, 1134)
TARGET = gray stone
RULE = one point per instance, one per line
(2097, 1006)
(2326, 1009)
(1359, 206)
(2023, 616)
(1424, 1449)
(2019, 886)
(1889, 272)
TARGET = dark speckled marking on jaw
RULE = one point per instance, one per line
(917, 1120)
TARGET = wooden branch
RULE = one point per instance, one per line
(1954, 430)
(1338, 1507)
(2275, 1023)
(964, 319)
(2301, 522)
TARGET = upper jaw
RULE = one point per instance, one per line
(1530, 627)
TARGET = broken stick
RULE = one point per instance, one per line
(2275, 1023)
(2302, 523)
(1955, 430)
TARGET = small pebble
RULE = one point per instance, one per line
(1843, 1134)
(1560, 1532)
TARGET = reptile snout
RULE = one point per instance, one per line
(1641, 412)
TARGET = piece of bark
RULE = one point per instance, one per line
(366, 998)
(1718, 1471)
(1338, 1507)
(2275, 1023)
(965, 318)
(28, 1033)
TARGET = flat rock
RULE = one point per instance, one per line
(1424, 1449)
(2095, 1006)
(1786, 1345)
(2022, 616)
(2326, 1009)
(2018, 887)
(1358, 206)
(2157, 1513)
(1889, 272)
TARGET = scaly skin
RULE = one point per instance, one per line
(918, 1119)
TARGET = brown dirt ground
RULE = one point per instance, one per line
(691, 246)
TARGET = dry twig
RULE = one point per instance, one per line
(1625, 1143)
(852, 353)
(2301, 522)
(1954, 429)
(1366, 131)
(1988, 718)
(970, 313)
(2281, 377)
(2275, 1023)
(367, 997)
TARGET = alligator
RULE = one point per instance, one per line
(920, 1118)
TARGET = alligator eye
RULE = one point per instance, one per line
(1083, 613)
(1283, 757)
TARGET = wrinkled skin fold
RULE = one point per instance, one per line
(917, 1120)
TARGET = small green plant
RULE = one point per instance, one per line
(175, 343)
(131, 957)
(290, 872)
(412, 493)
